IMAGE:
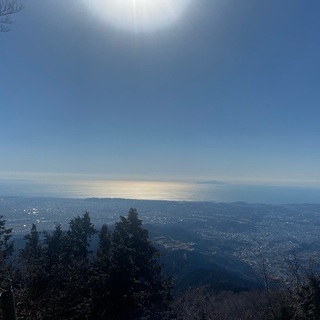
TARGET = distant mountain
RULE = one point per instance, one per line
(211, 182)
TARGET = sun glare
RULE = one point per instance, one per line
(147, 190)
(139, 15)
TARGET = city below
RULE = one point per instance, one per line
(238, 231)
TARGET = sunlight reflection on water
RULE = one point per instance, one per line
(192, 191)
(159, 190)
(148, 190)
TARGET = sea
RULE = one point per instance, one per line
(161, 190)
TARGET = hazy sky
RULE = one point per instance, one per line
(215, 90)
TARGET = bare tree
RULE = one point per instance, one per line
(7, 9)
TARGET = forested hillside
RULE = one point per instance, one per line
(57, 276)
(61, 275)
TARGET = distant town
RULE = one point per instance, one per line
(246, 232)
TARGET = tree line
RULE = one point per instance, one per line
(58, 276)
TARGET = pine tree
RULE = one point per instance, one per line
(60, 280)
(100, 275)
(77, 250)
(32, 257)
(6, 250)
(32, 275)
(137, 288)
(80, 232)
(56, 266)
(54, 249)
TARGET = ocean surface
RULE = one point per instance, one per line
(161, 190)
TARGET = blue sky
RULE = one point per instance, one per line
(230, 92)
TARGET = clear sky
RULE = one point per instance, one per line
(222, 90)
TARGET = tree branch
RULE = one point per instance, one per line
(8, 8)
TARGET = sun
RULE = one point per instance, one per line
(139, 15)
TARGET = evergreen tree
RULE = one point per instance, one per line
(32, 257)
(80, 231)
(137, 287)
(100, 274)
(6, 250)
(55, 251)
(76, 300)
(57, 270)
(59, 280)
(32, 276)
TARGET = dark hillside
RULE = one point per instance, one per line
(186, 258)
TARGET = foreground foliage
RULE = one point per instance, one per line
(296, 297)
(58, 277)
